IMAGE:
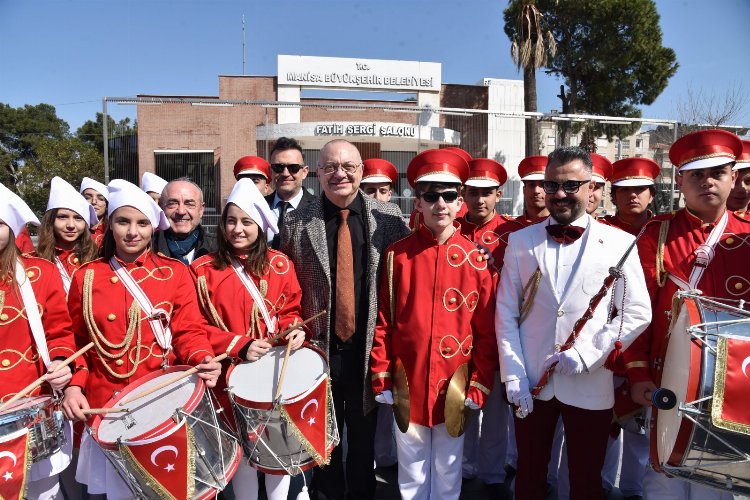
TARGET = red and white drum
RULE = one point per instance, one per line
(170, 441)
(294, 433)
(703, 438)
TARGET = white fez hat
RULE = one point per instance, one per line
(247, 197)
(152, 183)
(14, 211)
(63, 195)
(89, 183)
(122, 193)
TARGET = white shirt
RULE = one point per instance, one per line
(293, 203)
(563, 259)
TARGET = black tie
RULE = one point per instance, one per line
(283, 207)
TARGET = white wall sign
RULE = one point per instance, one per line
(366, 129)
(350, 73)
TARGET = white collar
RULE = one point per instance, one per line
(294, 202)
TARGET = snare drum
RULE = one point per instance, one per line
(151, 422)
(685, 441)
(269, 441)
(45, 423)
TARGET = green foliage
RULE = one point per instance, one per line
(92, 132)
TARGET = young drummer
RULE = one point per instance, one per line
(379, 178)
(31, 294)
(104, 311)
(244, 266)
(435, 314)
(632, 192)
(601, 174)
(98, 195)
(739, 196)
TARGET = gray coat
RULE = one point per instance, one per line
(303, 239)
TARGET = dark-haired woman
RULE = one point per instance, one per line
(229, 281)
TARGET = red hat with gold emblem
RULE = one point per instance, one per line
(437, 165)
(602, 169)
(249, 165)
(379, 170)
(743, 160)
(634, 172)
(705, 149)
(460, 152)
(484, 172)
(532, 168)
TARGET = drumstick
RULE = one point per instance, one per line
(102, 411)
(171, 381)
(283, 371)
(295, 326)
(26, 390)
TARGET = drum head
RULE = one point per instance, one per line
(151, 412)
(675, 378)
(26, 403)
(256, 380)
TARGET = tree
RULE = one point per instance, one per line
(610, 56)
(92, 132)
(531, 48)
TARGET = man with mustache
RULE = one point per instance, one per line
(186, 239)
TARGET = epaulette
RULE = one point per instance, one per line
(202, 260)
(741, 216)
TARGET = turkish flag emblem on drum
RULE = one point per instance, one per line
(308, 416)
(14, 462)
(732, 384)
(167, 461)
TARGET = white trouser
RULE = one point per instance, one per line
(98, 474)
(245, 483)
(485, 450)
(658, 486)
(46, 488)
(429, 463)
(634, 449)
(385, 444)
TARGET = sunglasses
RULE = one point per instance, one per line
(292, 167)
(447, 196)
(570, 187)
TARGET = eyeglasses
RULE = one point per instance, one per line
(447, 196)
(292, 167)
(570, 187)
(348, 168)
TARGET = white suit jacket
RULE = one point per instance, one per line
(550, 320)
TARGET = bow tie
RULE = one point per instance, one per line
(564, 234)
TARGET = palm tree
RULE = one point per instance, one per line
(532, 47)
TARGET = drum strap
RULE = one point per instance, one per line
(255, 294)
(157, 317)
(32, 312)
(704, 254)
(63, 273)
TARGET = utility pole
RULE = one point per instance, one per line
(243, 44)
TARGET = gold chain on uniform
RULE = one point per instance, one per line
(133, 329)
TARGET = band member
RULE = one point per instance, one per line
(531, 171)
(23, 241)
(256, 169)
(31, 294)
(64, 236)
(739, 197)
(415, 217)
(98, 195)
(379, 178)
(632, 192)
(551, 272)
(153, 185)
(599, 177)
(700, 247)
(435, 315)
(336, 243)
(485, 452)
(104, 311)
(243, 267)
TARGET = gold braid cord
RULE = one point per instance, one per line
(98, 337)
(205, 298)
(529, 292)
(2, 300)
(255, 317)
(661, 272)
(390, 287)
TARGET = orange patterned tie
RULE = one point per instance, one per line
(344, 280)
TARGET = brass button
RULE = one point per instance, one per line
(6, 362)
(75, 260)
(729, 241)
(452, 300)
(279, 264)
(487, 238)
(560, 313)
(448, 349)
(454, 256)
(119, 362)
(738, 286)
(3, 317)
(114, 279)
(111, 317)
(30, 274)
(480, 258)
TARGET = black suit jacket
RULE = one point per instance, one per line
(303, 203)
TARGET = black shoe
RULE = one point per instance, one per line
(497, 491)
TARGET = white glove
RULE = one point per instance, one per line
(519, 395)
(569, 362)
(385, 397)
(470, 404)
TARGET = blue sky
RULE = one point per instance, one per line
(71, 53)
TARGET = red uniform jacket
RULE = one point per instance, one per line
(615, 221)
(23, 241)
(98, 234)
(20, 363)
(725, 277)
(169, 285)
(436, 312)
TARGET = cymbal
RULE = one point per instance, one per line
(455, 409)
(401, 405)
